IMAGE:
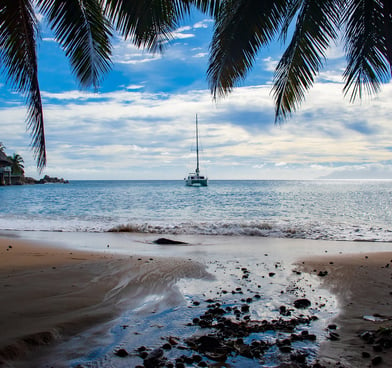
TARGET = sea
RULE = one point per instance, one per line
(350, 210)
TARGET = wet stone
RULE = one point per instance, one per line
(302, 303)
(122, 353)
(377, 360)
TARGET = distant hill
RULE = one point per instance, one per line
(361, 173)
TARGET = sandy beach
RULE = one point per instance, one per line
(96, 300)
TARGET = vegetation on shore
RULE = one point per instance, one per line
(18, 173)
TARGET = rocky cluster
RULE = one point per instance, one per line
(379, 340)
(45, 180)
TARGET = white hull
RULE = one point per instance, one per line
(196, 181)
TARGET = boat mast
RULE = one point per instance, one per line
(197, 148)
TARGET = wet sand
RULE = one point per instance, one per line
(49, 294)
(52, 292)
(363, 285)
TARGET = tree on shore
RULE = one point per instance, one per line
(17, 167)
(84, 28)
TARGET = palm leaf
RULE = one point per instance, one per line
(242, 28)
(147, 23)
(316, 25)
(18, 33)
(367, 45)
(84, 33)
(210, 7)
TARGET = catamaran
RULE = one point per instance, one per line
(195, 179)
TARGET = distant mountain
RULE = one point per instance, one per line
(384, 172)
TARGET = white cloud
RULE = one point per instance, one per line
(205, 23)
(270, 64)
(135, 86)
(91, 131)
(200, 55)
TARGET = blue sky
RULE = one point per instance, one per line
(140, 124)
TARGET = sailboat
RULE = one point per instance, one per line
(195, 179)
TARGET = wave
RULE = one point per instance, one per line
(274, 228)
(265, 229)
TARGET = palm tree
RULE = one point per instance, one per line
(17, 167)
(243, 27)
(83, 28)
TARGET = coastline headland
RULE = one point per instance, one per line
(23, 180)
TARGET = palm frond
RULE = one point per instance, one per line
(210, 7)
(84, 33)
(367, 45)
(292, 8)
(242, 28)
(18, 33)
(147, 23)
(316, 27)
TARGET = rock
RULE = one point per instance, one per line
(152, 360)
(377, 360)
(333, 336)
(168, 241)
(122, 353)
(166, 346)
(302, 303)
(377, 348)
(284, 311)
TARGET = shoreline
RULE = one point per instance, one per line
(94, 278)
(363, 286)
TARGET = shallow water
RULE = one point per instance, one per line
(323, 209)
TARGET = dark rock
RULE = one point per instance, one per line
(377, 360)
(166, 346)
(122, 353)
(284, 311)
(302, 303)
(377, 348)
(245, 308)
(143, 354)
(285, 348)
(197, 358)
(333, 336)
(168, 241)
(365, 354)
(298, 357)
(153, 359)
(218, 357)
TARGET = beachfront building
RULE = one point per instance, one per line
(5, 169)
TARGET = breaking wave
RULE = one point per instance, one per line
(264, 229)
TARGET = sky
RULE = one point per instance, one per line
(141, 122)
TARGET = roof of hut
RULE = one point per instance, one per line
(4, 160)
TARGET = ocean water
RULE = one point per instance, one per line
(320, 209)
